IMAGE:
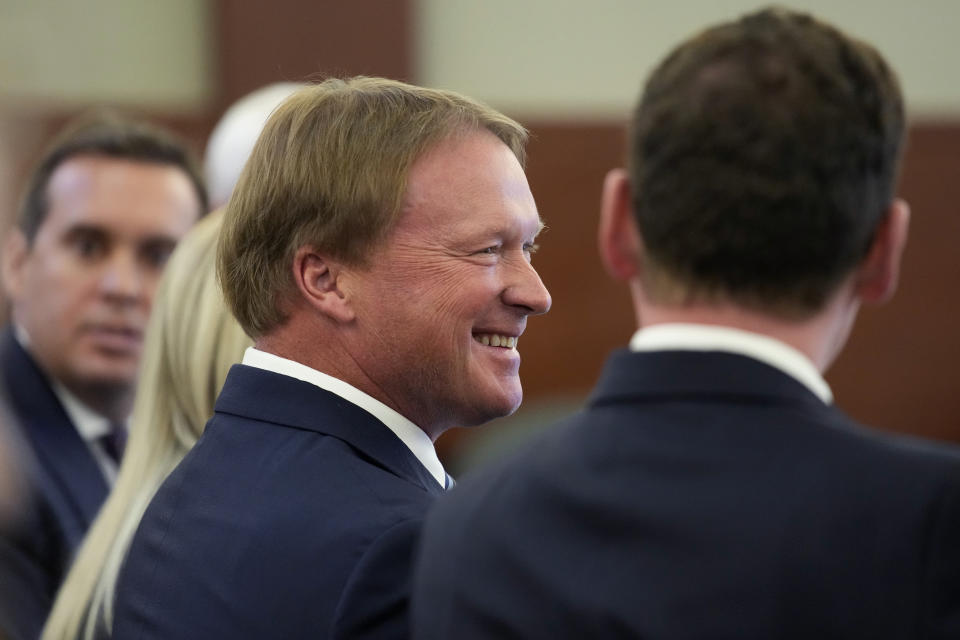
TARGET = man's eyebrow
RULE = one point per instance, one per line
(85, 228)
(541, 226)
(495, 230)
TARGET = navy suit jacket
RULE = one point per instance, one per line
(66, 491)
(294, 516)
(699, 495)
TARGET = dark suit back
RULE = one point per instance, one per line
(66, 490)
(700, 495)
(295, 515)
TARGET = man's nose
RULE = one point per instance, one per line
(122, 277)
(528, 291)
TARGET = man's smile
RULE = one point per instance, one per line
(496, 340)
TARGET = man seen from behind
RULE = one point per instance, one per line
(710, 489)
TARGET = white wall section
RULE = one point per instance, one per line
(579, 58)
(151, 53)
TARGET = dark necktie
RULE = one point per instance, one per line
(114, 442)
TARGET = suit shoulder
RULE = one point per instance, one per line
(900, 452)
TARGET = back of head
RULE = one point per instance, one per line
(329, 171)
(764, 153)
(107, 134)
(233, 138)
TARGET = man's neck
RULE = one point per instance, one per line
(107, 400)
(417, 440)
(327, 356)
(110, 400)
(820, 337)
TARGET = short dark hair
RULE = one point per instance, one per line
(105, 133)
(764, 155)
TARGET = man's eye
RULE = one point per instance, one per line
(89, 246)
(490, 250)
(157, 256)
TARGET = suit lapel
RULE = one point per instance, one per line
(271, 397)
(68, 475)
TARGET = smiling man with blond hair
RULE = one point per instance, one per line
(378, 249)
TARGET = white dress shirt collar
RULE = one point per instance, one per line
(89, 424)
(703, 337)
(410, 434)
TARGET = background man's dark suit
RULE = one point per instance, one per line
(703, 495)
(281, 460)
(66, 486)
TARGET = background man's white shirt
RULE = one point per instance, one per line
(704, 337)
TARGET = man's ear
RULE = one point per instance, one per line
(318, 282)
(15, 252)
(619, 240)
(877, 276)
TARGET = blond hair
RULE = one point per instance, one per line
(191, 342)
(329, 171)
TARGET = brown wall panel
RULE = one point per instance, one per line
(898, 371)
(264, 41)
(564, 350)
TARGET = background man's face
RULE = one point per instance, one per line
(453, 281)
(83, 289)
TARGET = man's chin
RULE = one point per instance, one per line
(499, 405)
(106, 377)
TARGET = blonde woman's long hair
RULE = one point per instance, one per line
(191, 342)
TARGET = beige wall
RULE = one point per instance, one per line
(578, 59)
(534, 58)
(151, 53)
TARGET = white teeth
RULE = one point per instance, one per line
(495, 340)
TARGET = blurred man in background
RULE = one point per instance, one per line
(100, 214)
(710, 489)
(191, 342)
